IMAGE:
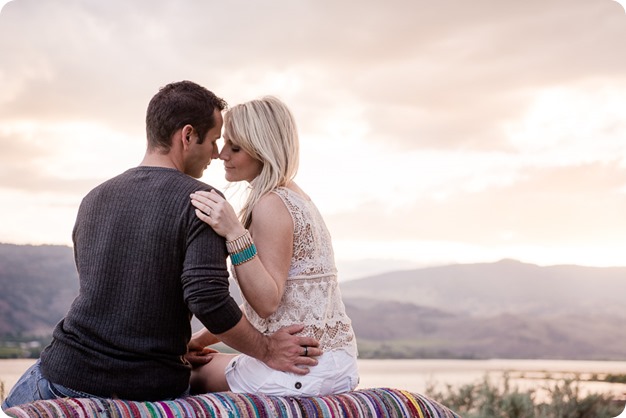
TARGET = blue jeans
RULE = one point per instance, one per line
(32, 386)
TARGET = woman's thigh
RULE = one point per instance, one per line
(336, 372)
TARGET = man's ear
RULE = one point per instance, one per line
(186, 135)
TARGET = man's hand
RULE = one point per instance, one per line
(199, 357)
(201, 339)
(291, 353)
(282, 350)
(198, 353)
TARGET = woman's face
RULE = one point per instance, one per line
(238, 164)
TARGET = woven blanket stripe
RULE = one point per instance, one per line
(363, 403)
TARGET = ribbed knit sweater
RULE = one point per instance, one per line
(145, 264)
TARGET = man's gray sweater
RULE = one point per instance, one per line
(145, 264)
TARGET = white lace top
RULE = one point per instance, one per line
(312, 296)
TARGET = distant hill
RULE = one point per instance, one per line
(507, 286)
(38, 285)
(506, 309)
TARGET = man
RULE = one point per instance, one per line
(146, 263)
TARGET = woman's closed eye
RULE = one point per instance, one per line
(233, 147)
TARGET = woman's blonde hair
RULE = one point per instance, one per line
(265, 129)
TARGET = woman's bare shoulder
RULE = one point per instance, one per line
(271, 209)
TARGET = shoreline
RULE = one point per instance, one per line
(417, 375)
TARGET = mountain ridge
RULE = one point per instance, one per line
(503, 286)
(506, 309)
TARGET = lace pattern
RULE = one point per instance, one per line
(312, 296)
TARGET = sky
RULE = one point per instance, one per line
(432, 132)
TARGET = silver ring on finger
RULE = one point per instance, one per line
(306, 351)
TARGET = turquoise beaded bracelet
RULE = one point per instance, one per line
(244, 255)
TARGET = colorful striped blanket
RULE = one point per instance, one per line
(376, 402)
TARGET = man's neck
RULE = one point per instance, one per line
(158, 159)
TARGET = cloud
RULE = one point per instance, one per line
(456, 70)
(621, 3)
(549, 206)
(487, 122)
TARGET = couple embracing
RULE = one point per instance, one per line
(151, 248)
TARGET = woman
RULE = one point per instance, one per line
(282, 259)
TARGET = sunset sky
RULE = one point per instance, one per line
(432, 132)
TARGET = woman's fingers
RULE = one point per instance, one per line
(208, 201)
(201, 205)
(212, 196)
(214, 210)
(203, 216)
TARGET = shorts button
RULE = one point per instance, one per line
(298, 385)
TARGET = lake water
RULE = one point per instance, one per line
(416, 375)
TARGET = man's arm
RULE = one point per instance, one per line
(282, 350)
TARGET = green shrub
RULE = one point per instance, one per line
(615, 378)
(488, 400)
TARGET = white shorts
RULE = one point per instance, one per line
(336, 372)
